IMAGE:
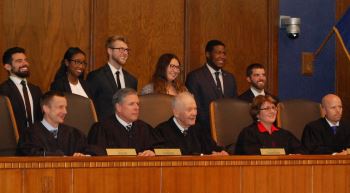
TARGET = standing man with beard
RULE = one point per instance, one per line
(24, 96)
(211, 82)
(256, 77)
(111, 77)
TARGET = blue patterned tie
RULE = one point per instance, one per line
(334, 128)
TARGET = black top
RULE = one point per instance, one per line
(248, 96)
(62, 84)
(193, 143)
(318, 137)
(110, 133)
(250, 140)
(37, 140)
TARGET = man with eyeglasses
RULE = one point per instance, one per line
(329, 134)
(24, 96)
(108, 79)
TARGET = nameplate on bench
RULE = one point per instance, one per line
(167, 151)
(121, 151)
(272, 151)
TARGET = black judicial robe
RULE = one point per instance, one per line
(250, 140)
(194, 143)
(38, 141)
(318, 137)
(111, 134)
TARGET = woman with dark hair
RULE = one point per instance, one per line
(165, 78)
(69, 78)
(263, 133)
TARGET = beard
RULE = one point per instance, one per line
(258, 86)
(20, 74)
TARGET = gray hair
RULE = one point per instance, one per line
(178, 99)
(119, 96)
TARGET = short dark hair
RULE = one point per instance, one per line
(7, 57)
(48, 96)
(253, 66)
(119, 96)
(211, 44)
(258, 101)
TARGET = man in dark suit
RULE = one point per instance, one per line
(331, 134)
(122, 129)
(256, 77)
(108, 79)
(181, 131)
(24, 96)
(51, 136)
(211, 82)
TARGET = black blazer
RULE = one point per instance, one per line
(62, 84)
(9, 89)
(318, 137)
(102, 84)
(249, 96)
(201, 84)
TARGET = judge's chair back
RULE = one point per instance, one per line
(81, 112)
(294, 114)
(227, 118)
(155, 108)
(8, 128)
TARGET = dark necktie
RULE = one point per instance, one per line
(334, 129)
(218, 82)
(118, 80)
(128, 128)
(54, 133)
(27, 103)
(185, 132)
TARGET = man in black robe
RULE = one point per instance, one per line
(50, 136)
(331, 134)
(181, 131)
(123, 129)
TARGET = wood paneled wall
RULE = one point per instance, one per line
(47, 28)
(343, 65)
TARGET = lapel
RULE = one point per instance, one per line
(127, 79)
(16, 94)
(110, 78)
(209, 78)
(66, 85)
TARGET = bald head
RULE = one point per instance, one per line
(185, 109)
(332, 107)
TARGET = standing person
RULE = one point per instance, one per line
(72, 68)
(108, 79)
(211, 82)
(24, 96)
(330, 134)
(165, 79)
(256, 77)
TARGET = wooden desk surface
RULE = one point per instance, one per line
(196, 174)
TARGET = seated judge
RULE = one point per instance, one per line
(330, 134)
(165, 79)
(123, 129)
(263, 133)
(256, 77)
(181, 130)
(51, 137)
(70, 77)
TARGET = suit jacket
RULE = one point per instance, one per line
(249, 96)
(318, 137)
(110, 133)
(62, 84)
(9, 89)
(250, 140)
(103, 86)
(37, 140)
(194, 143)
(201, 84)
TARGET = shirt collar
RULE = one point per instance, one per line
(257, 92)
(331, 124)
(263, 129)
(212, 70)
(182, 129)
(114, 69)
(17, 80)
(48, 126)
(121, 121)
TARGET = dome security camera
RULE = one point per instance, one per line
(292, 26)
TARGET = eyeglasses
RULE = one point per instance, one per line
(125, 50)
(79, 62)
(269, 108)
(173, 66)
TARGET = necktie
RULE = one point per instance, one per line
(118, 80)
(128, 128)
(27, 103)
(218, 82)
(54, 133)
(185, 132)
(334, 129)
